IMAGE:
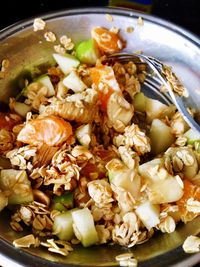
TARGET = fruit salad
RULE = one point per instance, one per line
(86, 157)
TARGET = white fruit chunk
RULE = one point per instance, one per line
(156, 109)
(37, 84)
(21, 109)
(139, 102)
(165, 191)
(46, 81)
(192, 136)
(17, 183)
(119, 111)
(66, 62)
(83, 134)
(120, 176)
(84, 227)
(62, 226)
(74, 82)
(87, 52)
(148, 214)
(148, 170)
(161, 136)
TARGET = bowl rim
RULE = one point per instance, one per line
(25, 23)
(23, 257)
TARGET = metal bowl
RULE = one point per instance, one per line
(28, 53)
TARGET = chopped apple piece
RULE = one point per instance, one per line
(83, 134)
(165, 191)
(192, 136)
(119, 111)
(66, 62)
(63, 202)
(62, 226)
(74, 82)
(155, 109)
(46, 81)
(38, 83)
(120, 176)
(148, 214)
(17, 183)
(139, 102)
(162, 187)
(88, 52)
(161, 136)
(149, 170)
(84, 227)
(21, 109)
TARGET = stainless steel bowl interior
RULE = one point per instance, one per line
(29, 54)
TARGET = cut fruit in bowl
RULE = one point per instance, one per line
(86, 223)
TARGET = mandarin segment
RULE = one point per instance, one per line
(107, 41)
(49, 130)
(104, 79)
(190, 191)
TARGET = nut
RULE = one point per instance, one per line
(41, 197)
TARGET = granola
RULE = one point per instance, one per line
(191, 244)
(174, 82)
(134, 137)
(57, 246)
(109, 18)
(66, 42)
(140, 21)
(26, 242)
(39, 24)
(50, 37)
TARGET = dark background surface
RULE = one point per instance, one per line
(185, 13)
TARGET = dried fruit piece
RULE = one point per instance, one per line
(8, 121)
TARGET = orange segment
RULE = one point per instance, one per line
(49, 130)
(107, 41)
(190, 191)
(104, 79)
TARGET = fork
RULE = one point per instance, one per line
(157, 75)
